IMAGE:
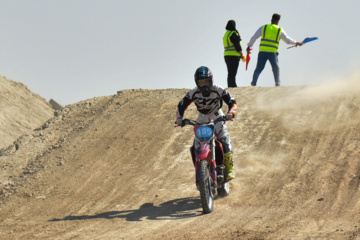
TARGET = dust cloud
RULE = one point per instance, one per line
(307, 107)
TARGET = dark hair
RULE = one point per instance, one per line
(275, 17)
(231, 25)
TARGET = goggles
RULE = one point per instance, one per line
(204, 82)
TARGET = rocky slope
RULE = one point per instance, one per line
(20, 111)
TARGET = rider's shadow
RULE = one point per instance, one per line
(174, 209)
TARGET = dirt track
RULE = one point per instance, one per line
(115, 167)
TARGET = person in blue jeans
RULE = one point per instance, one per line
(268, 50)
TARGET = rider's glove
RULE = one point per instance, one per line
(231, 113)
(229, 116)
(179, 121)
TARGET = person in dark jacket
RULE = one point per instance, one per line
(232, 52)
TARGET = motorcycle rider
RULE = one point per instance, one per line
(208, 98)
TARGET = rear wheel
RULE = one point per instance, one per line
(205, 187)
(224, 189)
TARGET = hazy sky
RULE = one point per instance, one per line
(72, 50)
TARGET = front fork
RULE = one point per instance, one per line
(212, 162)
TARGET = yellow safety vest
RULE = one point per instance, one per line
(270, 38)
(230, 49)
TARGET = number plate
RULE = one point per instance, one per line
(204, 132)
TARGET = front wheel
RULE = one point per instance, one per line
(205, 187)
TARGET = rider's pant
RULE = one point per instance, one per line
(220, 129)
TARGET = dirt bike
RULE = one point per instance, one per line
(208, 158)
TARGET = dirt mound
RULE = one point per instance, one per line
(21, 111)
(115, 167)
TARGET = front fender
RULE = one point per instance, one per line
(202, 150)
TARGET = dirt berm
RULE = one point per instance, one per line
(115, 167)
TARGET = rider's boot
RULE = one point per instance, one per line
(229, 166)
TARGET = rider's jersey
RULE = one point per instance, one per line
(206, 105)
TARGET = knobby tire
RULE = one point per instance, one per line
(207, 198)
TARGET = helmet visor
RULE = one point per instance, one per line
(204, 82)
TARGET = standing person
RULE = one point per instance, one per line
(208, 98)
(270, 38)
(233, 51)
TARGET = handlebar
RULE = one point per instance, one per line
(194, 123)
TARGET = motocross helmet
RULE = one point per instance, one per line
(204, 80)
